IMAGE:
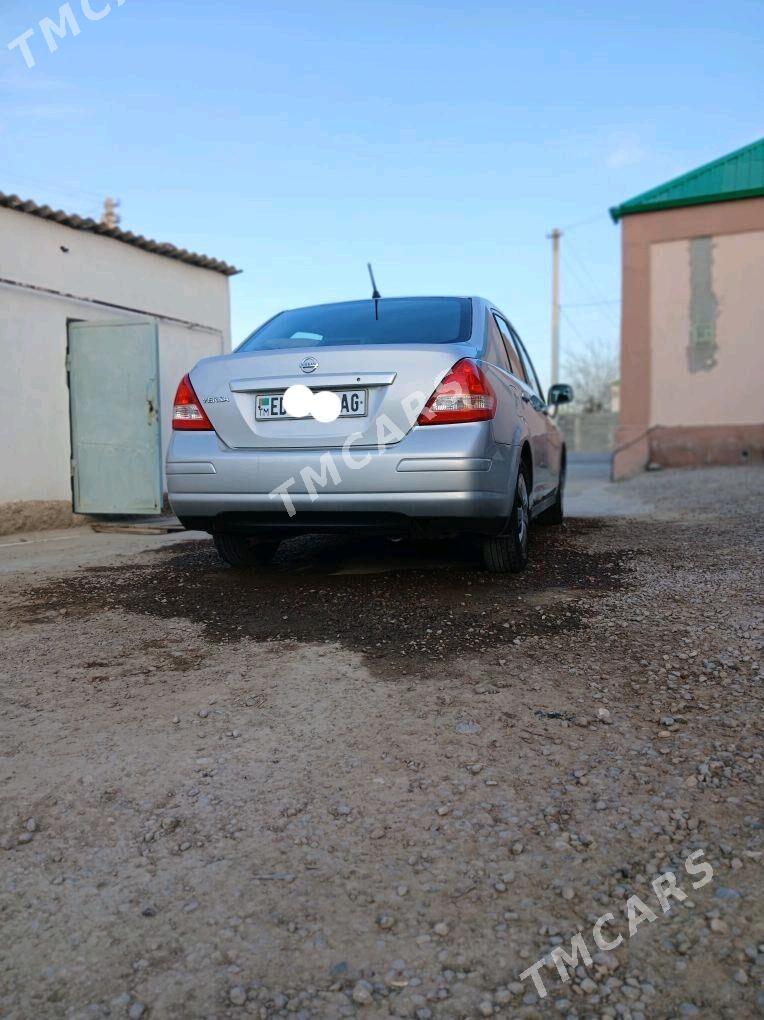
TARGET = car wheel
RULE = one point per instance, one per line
(508, 553)
(554, 513)
(239, 551)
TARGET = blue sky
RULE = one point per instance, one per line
(440, 141)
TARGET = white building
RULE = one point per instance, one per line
(97, 327)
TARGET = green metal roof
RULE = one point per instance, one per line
(738, 175)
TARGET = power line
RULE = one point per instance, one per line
(572, 324)
(581, 262)
(583, 223)
(597, 300)
(559, 310)
(56, 188)
(580, 280)
(585, 339)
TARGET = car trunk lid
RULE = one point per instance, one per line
(397, 380)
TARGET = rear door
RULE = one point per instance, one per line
(530, 407)
(552, 438)
(114, 413)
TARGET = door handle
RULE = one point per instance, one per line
(526, 398)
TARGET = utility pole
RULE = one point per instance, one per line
(555, 238)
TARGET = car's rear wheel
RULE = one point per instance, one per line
(508, 552)
(240, 551)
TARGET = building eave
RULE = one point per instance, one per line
(737, 175)
(618, 212)
(75, 222)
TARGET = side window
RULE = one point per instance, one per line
(530, 371)
(502, 358)
(515, 364)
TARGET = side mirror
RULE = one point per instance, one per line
(560, 393)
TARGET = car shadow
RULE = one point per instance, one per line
(351, 555)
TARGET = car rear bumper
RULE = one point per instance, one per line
(458, 474)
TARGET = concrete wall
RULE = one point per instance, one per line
(34, 459)
(588, 433)
(707, 338)
(691, 349)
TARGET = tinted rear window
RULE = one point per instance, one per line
(387, 321)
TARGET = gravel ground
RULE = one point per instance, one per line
(374, 781)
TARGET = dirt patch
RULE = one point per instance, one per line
(205, 812)
(385, 600)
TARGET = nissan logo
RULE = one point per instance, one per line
(309, 364)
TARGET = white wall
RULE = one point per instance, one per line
(35, 454)
(100, 267)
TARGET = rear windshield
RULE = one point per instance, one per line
(387, 321)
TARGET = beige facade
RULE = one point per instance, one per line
(50, 275)
(692, 350)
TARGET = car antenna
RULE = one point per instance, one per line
(375, 295)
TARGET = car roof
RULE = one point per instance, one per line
(391, 297)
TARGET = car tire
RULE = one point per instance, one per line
(554, 514)
(240, 551)
(508, 553)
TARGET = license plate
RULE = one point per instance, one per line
(271, 405)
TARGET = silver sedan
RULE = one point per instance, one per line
(420, 416)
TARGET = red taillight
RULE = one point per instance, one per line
(188, 413)
(464, 395)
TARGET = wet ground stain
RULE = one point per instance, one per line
(388, 601)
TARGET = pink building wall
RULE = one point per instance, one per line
(692, 338)
(730, 392)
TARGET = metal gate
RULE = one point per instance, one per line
(114, 411)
